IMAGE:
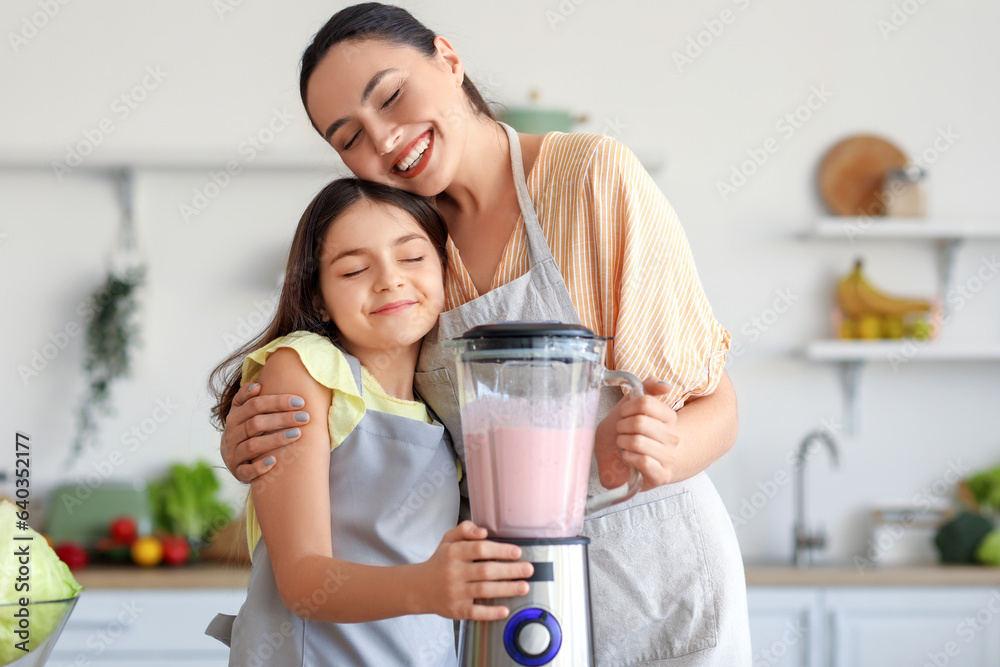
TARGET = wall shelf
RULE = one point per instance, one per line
(852, 355)
(888, 350)
(856, 229)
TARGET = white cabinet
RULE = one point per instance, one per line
(803, 626)
(873, 627)
(785, 626)
(145, 628)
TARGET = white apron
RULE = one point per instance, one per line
(393, 495)
(667, 580)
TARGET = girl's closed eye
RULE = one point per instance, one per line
(358, 272)
(352, 140)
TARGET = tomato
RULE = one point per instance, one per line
(123, 529)
(74, 555)
(147, 551)
(176, 550)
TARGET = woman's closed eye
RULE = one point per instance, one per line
(352, 140)
(392, 98)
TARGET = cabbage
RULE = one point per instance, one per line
(989, 549)
(48, 578)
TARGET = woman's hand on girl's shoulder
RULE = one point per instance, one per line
(640, 432)
(258, 425)
(467, 567)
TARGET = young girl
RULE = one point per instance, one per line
(361, 562)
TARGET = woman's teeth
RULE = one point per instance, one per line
(414, 155)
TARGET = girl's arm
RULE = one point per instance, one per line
(293, 507)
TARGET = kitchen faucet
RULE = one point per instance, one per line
(805, 541)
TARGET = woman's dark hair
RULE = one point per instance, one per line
(373, 20)
(299, 303)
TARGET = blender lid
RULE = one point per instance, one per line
(529, 330)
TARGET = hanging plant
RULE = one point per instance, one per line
(111, 337)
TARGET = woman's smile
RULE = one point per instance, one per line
(415, 158)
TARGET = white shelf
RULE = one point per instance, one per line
(322, 158)
(852, 355)
(889, 350)
(859, 228)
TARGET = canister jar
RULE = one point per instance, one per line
(903, 192)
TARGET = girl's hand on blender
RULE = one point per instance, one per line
(639, 432)
(467, 567)
(256, 426)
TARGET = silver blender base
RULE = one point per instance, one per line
(548, 626)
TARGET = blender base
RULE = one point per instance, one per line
(548, 626)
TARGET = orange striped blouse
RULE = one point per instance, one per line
(625, 259)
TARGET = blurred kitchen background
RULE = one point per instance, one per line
(731, 104)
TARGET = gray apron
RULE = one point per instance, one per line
(667, 580)
(393, 495)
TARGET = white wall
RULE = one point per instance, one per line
(223, 75)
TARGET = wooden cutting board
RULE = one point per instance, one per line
(850, 175)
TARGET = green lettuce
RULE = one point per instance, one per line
(48, 578)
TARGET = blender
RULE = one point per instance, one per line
(529, 393)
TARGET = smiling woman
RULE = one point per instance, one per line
(564, 227)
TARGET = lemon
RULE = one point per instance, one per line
(892, 327)
(147, 551)
(870, 327)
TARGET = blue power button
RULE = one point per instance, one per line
(532, 637)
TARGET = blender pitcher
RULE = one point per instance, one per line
(528, 393)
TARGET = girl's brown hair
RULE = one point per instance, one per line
(373, 20)
(298, 305)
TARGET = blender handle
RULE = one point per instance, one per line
(634, 484)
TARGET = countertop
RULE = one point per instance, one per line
(218, 575)
(895, 575)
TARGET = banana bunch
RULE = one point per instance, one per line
(868, 313)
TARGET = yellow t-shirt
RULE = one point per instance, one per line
(327, 365)
(625, 259)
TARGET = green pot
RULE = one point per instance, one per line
(535, 120)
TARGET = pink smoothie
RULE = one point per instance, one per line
(529, 482)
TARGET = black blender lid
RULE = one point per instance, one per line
(529, 330)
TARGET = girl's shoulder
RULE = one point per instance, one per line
(324, 361)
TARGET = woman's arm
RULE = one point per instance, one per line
(666, 446)
(293, 507)
(257, 426)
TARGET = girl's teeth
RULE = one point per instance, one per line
(414, 155)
